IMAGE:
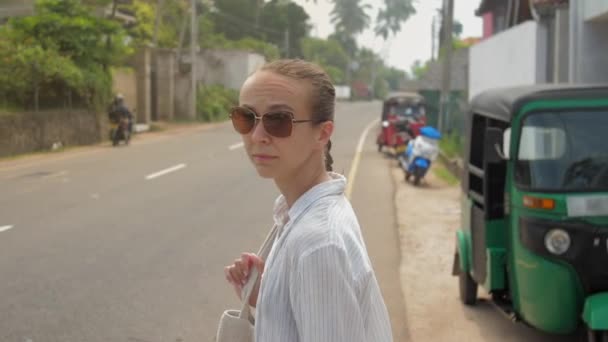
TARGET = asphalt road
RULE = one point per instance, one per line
(129, 243)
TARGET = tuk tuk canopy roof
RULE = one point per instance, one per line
(396, 96)
(501, 103)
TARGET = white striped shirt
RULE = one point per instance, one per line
(318, 284)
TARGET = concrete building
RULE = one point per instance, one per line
(540, 41)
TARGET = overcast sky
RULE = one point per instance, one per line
(414, 40)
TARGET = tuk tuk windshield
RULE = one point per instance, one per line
(407, 110)
(564, 151)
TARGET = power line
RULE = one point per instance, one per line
(240, 21)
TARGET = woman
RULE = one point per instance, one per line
(318, 283)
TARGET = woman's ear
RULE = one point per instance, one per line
(325, 132)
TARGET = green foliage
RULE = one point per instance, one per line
(269, 22)
(236, 19)
(142, 32)
(419, 70)
(346, 41)
(452, 145)
(369, 63)
(277, 18)
(350, 16)
(394, 77)
(443, 173)
(381, 88)
(27, 66)
(391, 17)
(58, 57)
(69, 27)
(214, 102)
(175, 18)
(327, 53)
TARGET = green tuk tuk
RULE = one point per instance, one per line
(534, 219)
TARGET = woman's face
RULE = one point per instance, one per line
(267, 92)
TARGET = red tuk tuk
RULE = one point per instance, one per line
(403, 114)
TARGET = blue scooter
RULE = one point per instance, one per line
(420, 154)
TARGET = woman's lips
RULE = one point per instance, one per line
(263, 157)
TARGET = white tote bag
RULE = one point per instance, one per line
(238, 325)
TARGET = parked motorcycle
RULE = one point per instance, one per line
(420, 154)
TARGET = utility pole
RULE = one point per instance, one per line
(193, 46)
(154, 67)
(433, 37)
(448, 18)
(159, 4)
(286, 42)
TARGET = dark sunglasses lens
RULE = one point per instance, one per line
(277, 124)
(243, 120)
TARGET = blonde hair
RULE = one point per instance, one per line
(323, 91)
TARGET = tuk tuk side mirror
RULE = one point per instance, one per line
(493, 145)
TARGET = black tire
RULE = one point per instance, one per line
(467, 287)
(118, 136)
(407, 176)
(115, 140)
(379, 147)
(597, 336)
(417, 176)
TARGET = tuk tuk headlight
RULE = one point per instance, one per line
(385, 124)
(557, 241)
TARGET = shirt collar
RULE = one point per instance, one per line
(332, 187)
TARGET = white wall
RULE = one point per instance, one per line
(229, 68)
(255, 62)
(595, 9)
(588, 44)
(510, 58)
(342, 92)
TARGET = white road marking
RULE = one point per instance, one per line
(236, 146)
(165, 171)
(5, 228)
(56, 174)
(357, 158)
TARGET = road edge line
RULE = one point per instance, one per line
(357, 158)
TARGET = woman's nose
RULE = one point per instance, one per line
(259, 134)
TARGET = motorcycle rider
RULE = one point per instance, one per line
(119, 110)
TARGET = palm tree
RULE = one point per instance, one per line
(350, 17)
(390, 18)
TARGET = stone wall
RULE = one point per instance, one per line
(30, 132)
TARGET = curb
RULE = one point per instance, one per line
(454, 165)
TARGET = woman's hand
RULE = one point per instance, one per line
(237, 274)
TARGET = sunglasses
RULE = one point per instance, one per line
(277, 124)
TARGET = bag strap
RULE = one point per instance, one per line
(254, 274)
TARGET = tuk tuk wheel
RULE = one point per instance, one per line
(597, 336)
(467, 287)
